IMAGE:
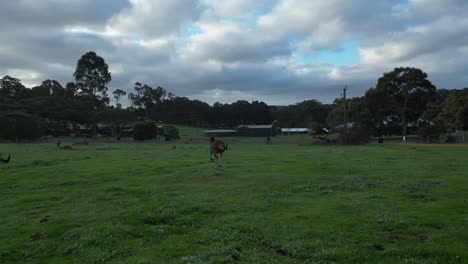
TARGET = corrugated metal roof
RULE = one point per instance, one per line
(220, 131)
(295, 130)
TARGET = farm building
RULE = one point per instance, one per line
(294, 131)
(256, 131)
(220, 133)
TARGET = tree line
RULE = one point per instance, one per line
(403, 99)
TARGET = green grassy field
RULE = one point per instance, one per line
(150, 203)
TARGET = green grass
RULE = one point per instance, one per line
(149, 203)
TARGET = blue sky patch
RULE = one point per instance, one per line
(189, 30)
(136, 39)
(346, 55)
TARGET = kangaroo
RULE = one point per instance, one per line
(217, 149)
(4, 161)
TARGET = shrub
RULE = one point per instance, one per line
(431, 131)
(151, 130)
(145, 130)
(171, 133)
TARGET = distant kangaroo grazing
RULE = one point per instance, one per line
(4, 161)
(64, 146)
(217, 149)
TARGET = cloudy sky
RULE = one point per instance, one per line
(277, 51)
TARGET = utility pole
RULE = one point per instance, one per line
(345, 115)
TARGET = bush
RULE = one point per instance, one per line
(151, 130)
(145, 130)
(431, 131)
(355, 135)
(171, 133)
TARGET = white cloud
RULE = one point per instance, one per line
(152, 18)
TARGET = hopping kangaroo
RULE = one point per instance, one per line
(4, 161)
(217, 149)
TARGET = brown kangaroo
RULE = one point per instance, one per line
(5, 161)
(217, 149)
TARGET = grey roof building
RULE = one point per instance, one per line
(256, 131)
(221, 133)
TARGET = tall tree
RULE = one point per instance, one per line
(12, 88)
(48, 88)
(147, 98)
(408, 90)
(136, 97)
(131, 98)
(118, 94)
(71, 90)
(92, 76)
(384, 120)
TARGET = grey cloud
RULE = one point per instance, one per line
(33, 13)
(239, 47)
